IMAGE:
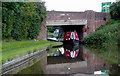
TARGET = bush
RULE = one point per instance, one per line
(115, 10)
(22, 20)
(106, 34)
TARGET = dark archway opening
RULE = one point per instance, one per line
(65, 28)
(72, 28)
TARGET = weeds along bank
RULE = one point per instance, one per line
(106, 34)
(15, 49)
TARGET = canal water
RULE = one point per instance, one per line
(73, 60)
(70, 59)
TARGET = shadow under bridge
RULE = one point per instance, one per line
(69, 26)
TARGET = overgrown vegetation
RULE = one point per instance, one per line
(105, 34)
(115, 11)
(22, 20)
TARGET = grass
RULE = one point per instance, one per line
(15, 49)
(19, 44)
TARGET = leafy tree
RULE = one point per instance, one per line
(37, 21)
(115, 10)
(22, 20)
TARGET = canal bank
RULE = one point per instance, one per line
(71, 61)
(23, 53)
(15, 49)
(104, 42)
(21, 63)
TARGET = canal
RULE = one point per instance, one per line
(72, 60)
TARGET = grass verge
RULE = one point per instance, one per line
(14, 49)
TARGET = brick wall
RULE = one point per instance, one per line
(59, 15)
(94, 19)
(43, 32)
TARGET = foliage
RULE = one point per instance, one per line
(37, 22)
(22, 20)
(115, 10)
(103, 35)
(52, 28)
(109, 22)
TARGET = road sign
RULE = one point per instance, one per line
(105, 6)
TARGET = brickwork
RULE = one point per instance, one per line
(43, 32)
(59, 15)
(94, 19)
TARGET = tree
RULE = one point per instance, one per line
(22, 20)
(38, 20)
(115, 10)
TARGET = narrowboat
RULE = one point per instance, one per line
(71, 37)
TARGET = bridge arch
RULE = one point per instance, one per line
(90, 20)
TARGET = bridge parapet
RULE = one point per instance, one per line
(90, 20)
(65, 22)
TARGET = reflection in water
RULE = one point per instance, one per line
(70, 60)
(74, 59)
(37, 66)
(71, 51)
(115, 69)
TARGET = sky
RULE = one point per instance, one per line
(75, 5)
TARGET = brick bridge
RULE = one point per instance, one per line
(84, 23)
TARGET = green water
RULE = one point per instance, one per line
(34, 69)
(109, 53)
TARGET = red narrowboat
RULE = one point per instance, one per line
(71, 37)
